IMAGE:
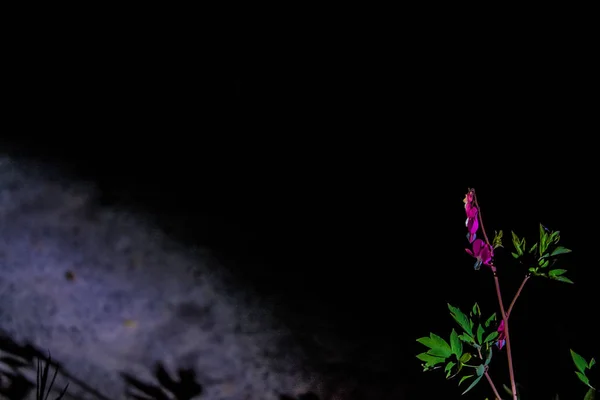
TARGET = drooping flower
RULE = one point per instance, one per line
(472, 212)
(472, 223)
(501, 341)
(482, 252)
(468, 198)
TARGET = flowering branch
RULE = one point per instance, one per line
(480, 335)
(511, 370)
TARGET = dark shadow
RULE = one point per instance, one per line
(14, 385)
(184, 387)
(306, 396)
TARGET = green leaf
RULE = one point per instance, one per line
(562, 279)
(476, 310)
(590, 395)
(490, 320)
(464, 378)
(480, 369)
(556, 272)
(532, 249)
(592, 362)
(489, 357)
(583, 378)
(456, 344)
(515, 255)
(480, 332)
(543, 239)
(448, 368)
(579, 361)
(516, 243)
(560, 250)
(497, 242)
(426, 341)
(543, 263)
(461, 319)
(491, 337)
(475, 382)
(466, 338)
(430, 360)
(465, 358)
(439, 347)
(507, 389)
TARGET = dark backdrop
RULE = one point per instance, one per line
(331, 168)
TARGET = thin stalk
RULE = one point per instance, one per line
(511, 370)
(512, 304)
(489, 379)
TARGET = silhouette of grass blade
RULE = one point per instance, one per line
(42, 381)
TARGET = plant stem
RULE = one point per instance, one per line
(517, 295)
(511, 370)
(489, 379)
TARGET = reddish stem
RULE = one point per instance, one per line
(512, 304)
(511, 370)
(489, 379)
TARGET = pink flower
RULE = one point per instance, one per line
(472, 222)
(468, 198)
(482, 252)
(472, 213)
(501, 336)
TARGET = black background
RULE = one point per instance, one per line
(328, 164)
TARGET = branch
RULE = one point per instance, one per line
(512, 304)
(511, 370)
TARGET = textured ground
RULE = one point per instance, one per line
(110, 296)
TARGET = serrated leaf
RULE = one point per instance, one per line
(490, 320)
(491, 337)
(464, 378)
(466, 338)
(562, 279)
(590, 395)
(426, 341)
(456, 344)
(579, 361)
(583, 378)
(439, 347)
(480, 332)
(556, 272)
(430, 360)
(560, 250)
(461, 319)
(475, 382)
(448, 368)
(533, 248)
